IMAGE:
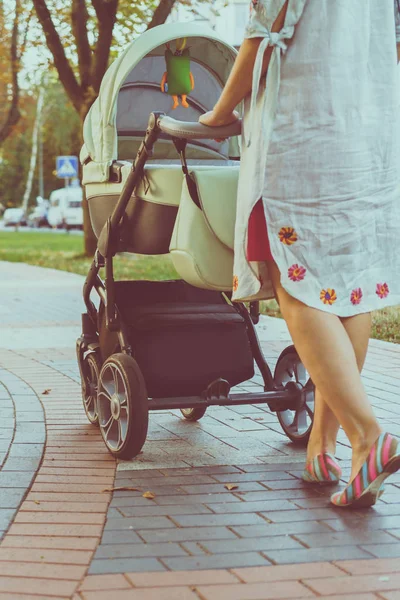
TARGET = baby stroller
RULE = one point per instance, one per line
(158, 185)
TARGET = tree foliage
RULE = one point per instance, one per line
(14, 25)
(60, 136)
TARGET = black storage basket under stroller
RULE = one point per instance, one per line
(183, 338)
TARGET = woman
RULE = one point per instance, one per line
(318, 204)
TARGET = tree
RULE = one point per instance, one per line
(9, 62)
(81, 54)
(60, 129)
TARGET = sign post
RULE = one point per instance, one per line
(67, 167)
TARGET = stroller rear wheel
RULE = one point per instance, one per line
(297, 424)
(91, 368)
(122, 406)
(193, 414)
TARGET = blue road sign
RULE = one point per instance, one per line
(67, 167)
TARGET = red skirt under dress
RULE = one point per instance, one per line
(258, 248)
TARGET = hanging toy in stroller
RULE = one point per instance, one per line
(178, 79)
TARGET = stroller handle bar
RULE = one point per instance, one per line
(198, 131)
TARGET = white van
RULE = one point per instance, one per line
(66, 208)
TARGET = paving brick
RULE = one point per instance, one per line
(255, 591)
(369, 567)
(382, 550)
(40, 555)
(247, 486)
(71, 497)
(60, 517)
(53, 529)
(104, 582)
(223, 498)
(287, 572)
(15, 479)
(147, 511)
(123, 565)
(29, 450)
(187, 534)
(301, 515)
(181, 578)
(6, 516)
(67, 488)
(261, 544)
(320, 540)
(105, 480)
(272, 529)
(304, 555)
(43, 570)
(217, 561)
(229, 520)
(244, 507)
(60, 588)
(7, 596)
(11, 497)
(120, 537)
(390, 595)
(30, 506)
(356, 584)
(61, 543)
(172, 593)
(136, 522)
(141, 550)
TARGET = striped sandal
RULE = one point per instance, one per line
(323, 469)
(367, 487)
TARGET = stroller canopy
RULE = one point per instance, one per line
(130, 90)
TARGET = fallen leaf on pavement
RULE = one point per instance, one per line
(231, 486)
(149, 495)
(121, 489)
(36, 502)
(46, 392)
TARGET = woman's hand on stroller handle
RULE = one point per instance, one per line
(198, 131)
(215, 119)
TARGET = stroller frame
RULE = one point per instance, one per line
(291, 396)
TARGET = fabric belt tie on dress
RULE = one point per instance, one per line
(277, 40)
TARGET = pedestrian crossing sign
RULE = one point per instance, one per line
(67, 167)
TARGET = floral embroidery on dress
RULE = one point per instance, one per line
(235, 283)
(296, 272)
(382, 290)
(287, 236)
(356, 296)
(328, 296)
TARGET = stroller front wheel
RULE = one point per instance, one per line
(297, 424)
(193, 414)
(122, 406)
(91, 368)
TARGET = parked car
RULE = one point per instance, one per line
(14, 216)
(66, 208)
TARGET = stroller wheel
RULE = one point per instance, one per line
(193, 414)
(91, 369)
(122, 406)
(297, 424)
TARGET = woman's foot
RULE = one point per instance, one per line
(323, 469)
(367, 486)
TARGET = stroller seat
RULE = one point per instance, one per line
(150, 218)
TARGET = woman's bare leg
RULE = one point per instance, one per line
(327, 352)
(326, 426)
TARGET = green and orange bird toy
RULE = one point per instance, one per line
(178, 79)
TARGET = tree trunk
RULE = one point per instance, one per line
(35, 139)
(14, 114)
(161, 13)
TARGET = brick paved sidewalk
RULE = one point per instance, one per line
(263, 539)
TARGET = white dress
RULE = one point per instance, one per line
(321, 147)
